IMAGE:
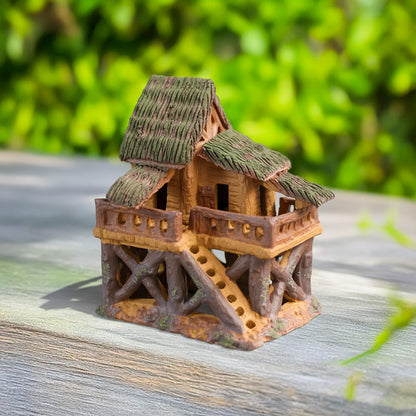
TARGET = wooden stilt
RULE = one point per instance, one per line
(292, 261)
(109, 267)
(294, 257)
(303, 271)
(176, 283)
(292, 290)
(276, 298)
(259, 284)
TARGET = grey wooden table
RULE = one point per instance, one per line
(58, 357)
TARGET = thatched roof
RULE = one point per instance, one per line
(231, 150)
(168, 121)
(137, 185)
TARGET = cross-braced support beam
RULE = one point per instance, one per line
(178, 266)
(270, 280)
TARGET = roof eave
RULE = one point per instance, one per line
(298, 187)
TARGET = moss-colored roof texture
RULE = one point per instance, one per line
(167, 121)
(231, 150)
(137, 185)
(297, 187)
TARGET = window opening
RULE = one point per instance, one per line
(222, 197)
(162, 197)
(263, 202)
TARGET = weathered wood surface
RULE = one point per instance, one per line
(58, 357)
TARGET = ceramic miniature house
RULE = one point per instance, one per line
(207, 234)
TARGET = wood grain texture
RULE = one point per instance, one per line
(58, 357)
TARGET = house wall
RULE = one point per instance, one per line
(267, 201)
(183, 189)
(151, 202)
(174, 200)
(244, 194)
(210, 175)
(252, 204)
(299, 204)
(188, 190)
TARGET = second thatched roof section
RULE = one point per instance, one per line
(231, 150)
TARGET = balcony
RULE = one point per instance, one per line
(265, 237)
(154, 229)
(145, 227)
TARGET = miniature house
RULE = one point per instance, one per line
(207, 234)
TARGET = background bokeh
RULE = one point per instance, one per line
(331, 84)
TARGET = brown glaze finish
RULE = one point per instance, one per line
(157, 265)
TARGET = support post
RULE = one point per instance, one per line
(276, 298)
(303, 271)
(176, 283)
(109, 268)
(259, 285)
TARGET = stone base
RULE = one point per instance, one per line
(208, 328)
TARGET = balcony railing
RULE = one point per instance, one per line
(158, 229)
(265, 232)
(144, 222)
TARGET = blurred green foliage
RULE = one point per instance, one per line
(329, 83)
